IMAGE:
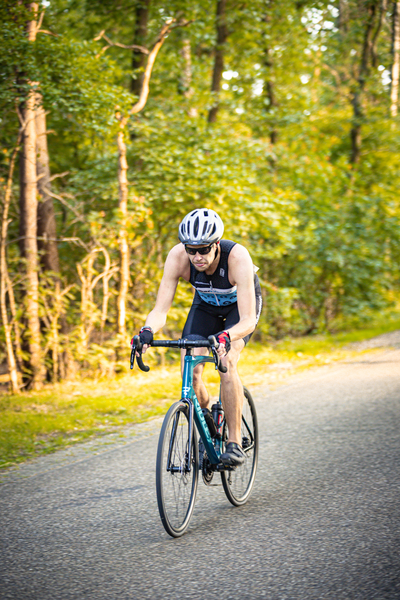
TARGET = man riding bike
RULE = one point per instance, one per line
(227, 304)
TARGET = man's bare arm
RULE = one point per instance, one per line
(241, 273)
(176, 266)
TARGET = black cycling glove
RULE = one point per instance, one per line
(224, 338)
(146, 335)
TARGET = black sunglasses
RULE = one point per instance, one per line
(203, 250)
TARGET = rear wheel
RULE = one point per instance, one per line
(238, 483)
(176, 474)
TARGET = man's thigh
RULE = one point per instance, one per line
(202, 321)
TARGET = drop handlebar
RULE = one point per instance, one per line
(212, 343)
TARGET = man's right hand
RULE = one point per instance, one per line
(145, 337)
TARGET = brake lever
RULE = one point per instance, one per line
(217, 359)
(141, 364)
(137, 347)
(133, 351)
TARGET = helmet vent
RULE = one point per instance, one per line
(196, 227)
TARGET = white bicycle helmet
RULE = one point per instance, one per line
(201, 226)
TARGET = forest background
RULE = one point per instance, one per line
(119, 117)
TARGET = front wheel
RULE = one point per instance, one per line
(176, 473)
(239, 482)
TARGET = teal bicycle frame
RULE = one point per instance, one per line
(213, 448)
(195, 413)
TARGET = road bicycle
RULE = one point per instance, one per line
(178, 462)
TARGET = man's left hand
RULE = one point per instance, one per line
(224, 340)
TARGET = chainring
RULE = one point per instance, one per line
(206, 470)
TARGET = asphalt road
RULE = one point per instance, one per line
(322, 522)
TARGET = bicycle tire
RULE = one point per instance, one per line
(238, 483)
(177, 487)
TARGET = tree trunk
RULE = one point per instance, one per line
(222, 35)
(270, 95)
(15, 322)
(108, 272)
(139, 39)
(28, 212)
(394, 86)
(11, 362)
(186, 78)
(46, 221)
(374, 42)
(269, 88)
(185, 86)
(358, 112)
(123, 236)
(343, 16)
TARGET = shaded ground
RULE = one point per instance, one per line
(322, 522)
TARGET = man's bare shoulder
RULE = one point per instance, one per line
(239, 253)
(178, 254)
(177, 262)
(240, 264)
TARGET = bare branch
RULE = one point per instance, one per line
(104, 48)
(152, 55)
(74, 240)
(58, 175)
(47, 32)
(110, 43)
(131, 47)
(38, 26)
(99, 36)
(182, 24)
(67, 289)
(61, 199)
(149, 67)
(21, 119)
(105, 273)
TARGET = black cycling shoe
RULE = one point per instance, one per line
(233, 455)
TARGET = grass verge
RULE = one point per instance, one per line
(35, 423)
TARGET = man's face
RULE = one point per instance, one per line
(201, 262)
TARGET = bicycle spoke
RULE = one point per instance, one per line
(239, 482)
(176, 479)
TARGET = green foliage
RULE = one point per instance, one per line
(324, 232)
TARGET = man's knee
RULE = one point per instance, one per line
(230, 361)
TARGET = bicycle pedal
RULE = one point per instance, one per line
(222, 467)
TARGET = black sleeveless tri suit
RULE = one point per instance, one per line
(215, 306)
